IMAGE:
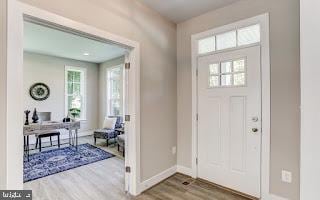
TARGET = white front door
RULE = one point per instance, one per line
(229, 119)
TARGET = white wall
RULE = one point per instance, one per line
(51, 71)
(3, 91)
(310, 98)
(285, 83)
(103, 86)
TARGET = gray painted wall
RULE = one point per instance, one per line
(51, 71)
(3, 93)
(285, 84)
(103, 86)
(157, 37)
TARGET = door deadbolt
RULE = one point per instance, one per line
(254, 130)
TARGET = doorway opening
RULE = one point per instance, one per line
(80, 95)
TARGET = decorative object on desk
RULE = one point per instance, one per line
(67, 119)
(39, 91)
(75, 112)
(57, 160)
(27, 112)
(35, 117)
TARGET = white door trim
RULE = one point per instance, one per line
(263, 20)
(16, 13)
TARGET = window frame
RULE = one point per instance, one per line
(220, 74)
(108, 91)
(83, 90)
(237, 46)
(235, 31)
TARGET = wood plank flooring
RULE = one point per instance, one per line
(173, 188)
(104, 180)
(97, 181)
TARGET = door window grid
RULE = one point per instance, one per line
(230, 39)
(227, 73)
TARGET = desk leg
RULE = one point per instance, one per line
(24, 144)
(24, 147)
(70, 135)
(76, 134)
(28, 147)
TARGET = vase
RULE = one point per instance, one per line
(35, 117)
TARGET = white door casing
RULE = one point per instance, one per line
(126, 123)
(229, 149)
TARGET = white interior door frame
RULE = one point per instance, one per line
(263, 20)
(17, 11)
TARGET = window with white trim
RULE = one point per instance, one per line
(115, 91)
(75, 94)
(231, 39)
(231, 73)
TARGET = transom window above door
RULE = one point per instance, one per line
(227, 73)
(231, 39)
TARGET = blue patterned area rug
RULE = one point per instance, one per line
(57, 160)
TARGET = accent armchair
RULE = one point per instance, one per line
(108, 134)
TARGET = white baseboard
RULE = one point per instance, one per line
(184, 170)
(85, 133)
(274, 197)
(157, 179)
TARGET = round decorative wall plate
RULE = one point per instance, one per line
(39, 91)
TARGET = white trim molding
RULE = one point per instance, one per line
(184, 170)
(157, 179)
(263, 20)
(17, 13)
(14, 97)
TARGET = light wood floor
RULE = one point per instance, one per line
(97, 181)
(173, 188)
(104, 180)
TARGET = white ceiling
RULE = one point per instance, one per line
(48, 41)
(181, 10)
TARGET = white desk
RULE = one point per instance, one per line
(41, 128)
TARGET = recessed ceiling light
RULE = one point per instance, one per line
(86, 54)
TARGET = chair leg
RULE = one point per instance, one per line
(39, 144)
(95, 140)
(59, 141)
(118, 147)
(107, 142)
(123, 152)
